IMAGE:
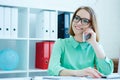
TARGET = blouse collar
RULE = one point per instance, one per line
(75, 43)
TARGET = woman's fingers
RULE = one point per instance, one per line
(98, 72)
(93, 73)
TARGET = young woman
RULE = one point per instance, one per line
(75, 57)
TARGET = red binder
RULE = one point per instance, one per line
(51, 46)
(43, 51)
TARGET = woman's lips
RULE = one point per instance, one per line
(78, 28)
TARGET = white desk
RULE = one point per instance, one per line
(113, 76)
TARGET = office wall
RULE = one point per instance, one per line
(108, 12)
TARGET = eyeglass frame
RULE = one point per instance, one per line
(81, 19)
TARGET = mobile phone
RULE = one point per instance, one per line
(86, 37)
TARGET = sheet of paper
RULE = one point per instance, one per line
(58, 78)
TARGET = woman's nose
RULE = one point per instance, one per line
(79, 22)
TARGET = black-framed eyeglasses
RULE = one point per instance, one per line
(84, 21)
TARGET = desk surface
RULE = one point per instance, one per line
(113, 76)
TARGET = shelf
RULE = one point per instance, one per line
(49, 5)
(37, 70)
(13, 38)
(13, 71)
(33, 24)
(12, 75)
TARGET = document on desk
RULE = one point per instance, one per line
(113, 76)
(58, 78)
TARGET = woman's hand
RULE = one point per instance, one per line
(88, 72)
(92, 39)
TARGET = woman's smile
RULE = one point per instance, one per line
(79, 28)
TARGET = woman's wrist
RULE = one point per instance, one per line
(67, 72)
(94, 43)
(78, 73)
(99, 52)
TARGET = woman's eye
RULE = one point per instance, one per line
(77, 18)
(86, 21)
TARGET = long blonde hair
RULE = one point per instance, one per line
(93, 21)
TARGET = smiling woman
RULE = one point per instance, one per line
(73, 57)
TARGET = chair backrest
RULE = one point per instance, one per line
(119, 65)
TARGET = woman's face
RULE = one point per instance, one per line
(81, 22)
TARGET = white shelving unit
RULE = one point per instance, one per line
(26, 38)
(20, 44)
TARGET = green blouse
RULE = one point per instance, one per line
(70, 54)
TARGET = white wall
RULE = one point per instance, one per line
(109, 24)
(108, 16)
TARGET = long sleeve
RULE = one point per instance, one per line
(54, 64)
(105, 66)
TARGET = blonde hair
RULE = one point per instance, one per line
(93, 21)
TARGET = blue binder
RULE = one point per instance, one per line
(63, 25)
